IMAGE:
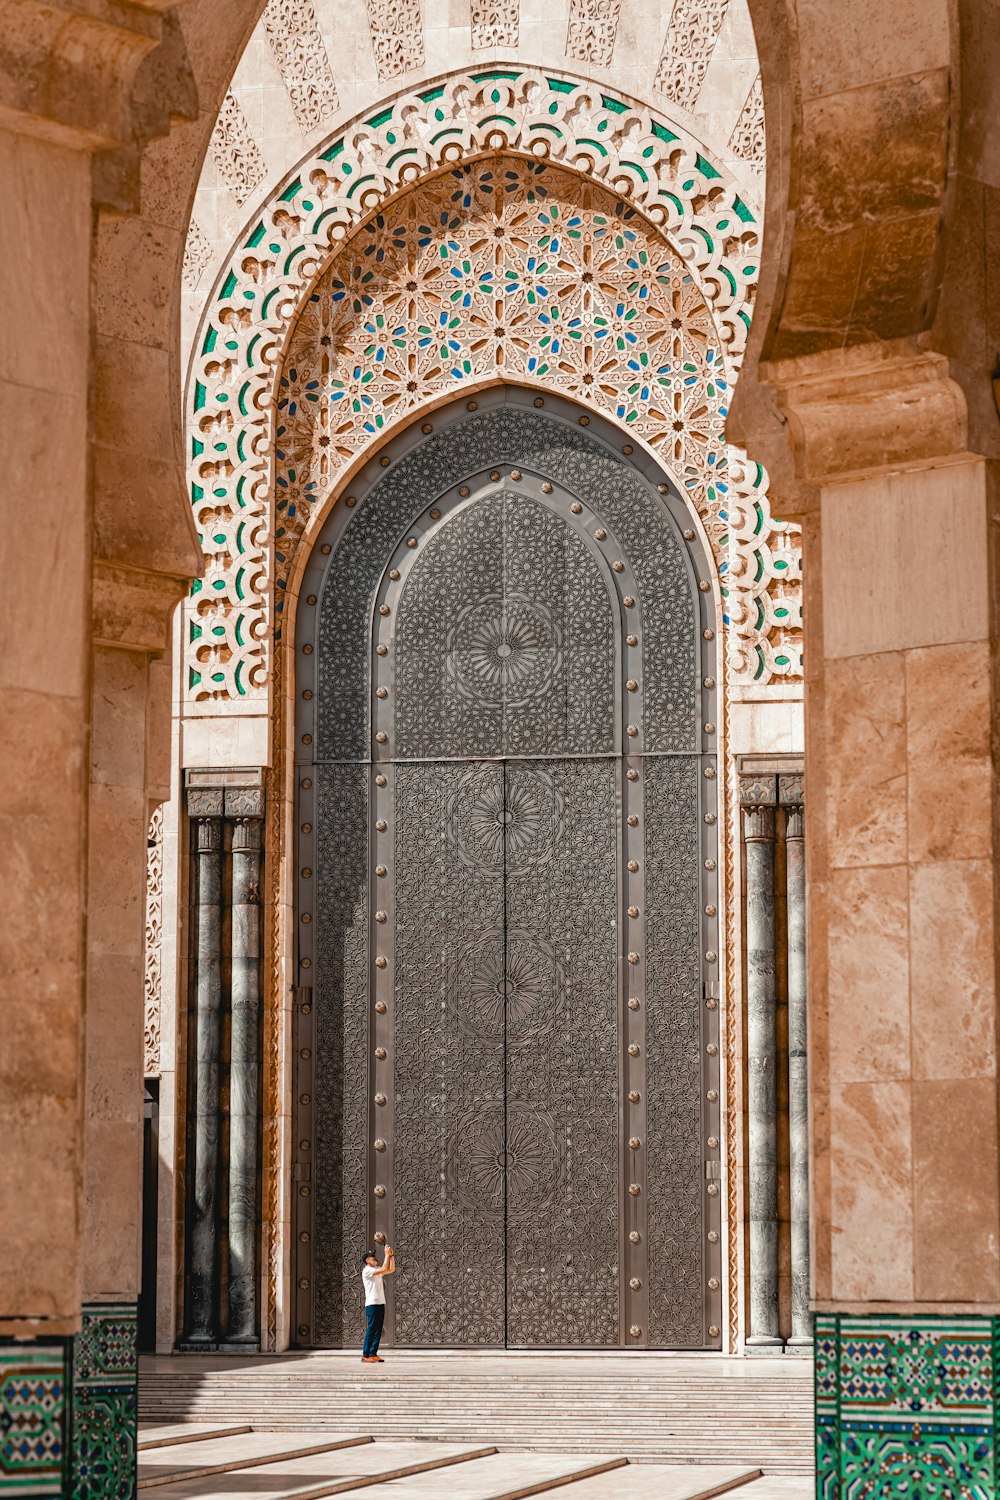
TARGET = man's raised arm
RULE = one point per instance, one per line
(388, 1265)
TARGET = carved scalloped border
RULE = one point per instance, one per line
(239, 347)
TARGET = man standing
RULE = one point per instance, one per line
(371, 1275)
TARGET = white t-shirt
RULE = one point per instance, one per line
(374, 1287)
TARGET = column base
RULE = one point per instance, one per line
(34, 1416)
(69, 1410)
(765, 1344)
(906, 1405)
(239, 1346)
(104, 1418)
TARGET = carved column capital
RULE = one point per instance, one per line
(758, 799)
(791, 797)
(205, 803)
(245, 804)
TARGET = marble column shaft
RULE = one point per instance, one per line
(202, 1320)
(762, 1144)
(243, 1089)
(798, 1088)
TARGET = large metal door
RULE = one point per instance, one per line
(500, 637)
(504, 1146)
(507, 1037)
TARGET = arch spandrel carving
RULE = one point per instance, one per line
(232, 392)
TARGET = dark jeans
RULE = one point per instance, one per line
(375, 1313)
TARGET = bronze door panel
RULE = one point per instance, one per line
(448, 1056)
(562, 1055)
(507, 1025)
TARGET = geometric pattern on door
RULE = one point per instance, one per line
(501, 792)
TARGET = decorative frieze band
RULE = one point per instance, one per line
(153, 939)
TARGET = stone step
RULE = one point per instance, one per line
(353, 1470)
(220, 1455)
(780, 1487)
(184, 1432)
(663, 1482)
(658, 1410)
(506, 1476)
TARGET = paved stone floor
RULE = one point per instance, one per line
(476, 1426)
(179, 1463)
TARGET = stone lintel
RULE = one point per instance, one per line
(754, 767)
(858, 411)
(233, 793)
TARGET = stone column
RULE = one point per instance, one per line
(247, 805)
(798, 1091)
(901, 720)
(758, 796)
(205, 807)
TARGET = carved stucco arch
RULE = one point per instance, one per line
(241, 344)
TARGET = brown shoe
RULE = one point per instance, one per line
(377, 1359)
(369, 1359)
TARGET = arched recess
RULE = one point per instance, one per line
(685, 207)
(671, 197)
(508, 894)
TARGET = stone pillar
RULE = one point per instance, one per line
(798, 1094)
(758, 796)
(900, 559)
(243, 1216)
(205, 808)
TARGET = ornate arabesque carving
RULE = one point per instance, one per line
(674, 1079)
(300, 52)
(197, 255)
(704, 221)
(397, 32)
(495, 23)
(530, 440)
(154, 933)
(235, 152)
(592, 29)
(747, 139)
(687, 49)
